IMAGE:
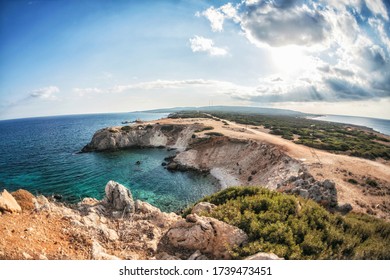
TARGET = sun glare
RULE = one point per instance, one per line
(289, 59)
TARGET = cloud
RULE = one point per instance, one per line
(201, 44)
(84, 91)
(215, 17)
(151, 85)
(377, 7)
(342, 49)
(45, 93)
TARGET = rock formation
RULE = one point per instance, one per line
(208, 235)
(149, 135)
(8, 203)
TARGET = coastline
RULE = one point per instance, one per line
(354, 122)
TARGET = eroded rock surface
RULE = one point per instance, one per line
(8, 203)
(208, 235)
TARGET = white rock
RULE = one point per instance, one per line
(119, 197)
(8, 203)
(264, 256)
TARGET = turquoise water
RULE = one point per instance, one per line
(40, 155)
(380, 125)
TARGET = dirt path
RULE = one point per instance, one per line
(321, 164)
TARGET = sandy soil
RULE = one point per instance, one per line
(322, 165)
(40, 236)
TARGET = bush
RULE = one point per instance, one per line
(352, 181)
(294, 228)
(214, 134)
(126, 128)
(371, 182)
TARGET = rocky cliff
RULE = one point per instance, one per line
(142, 135)
(116, 227)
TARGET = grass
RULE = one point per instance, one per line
(294, 228)
(333, 137)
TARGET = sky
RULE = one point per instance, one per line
(77, 57)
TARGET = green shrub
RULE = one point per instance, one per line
(126, 128)
(372, 182)
(352, 181)
(294, 228)
(214, 134)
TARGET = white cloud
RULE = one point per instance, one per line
(45, 93)
(377, 7)
(215, 17)
(151, 85)
(84, 91)
(201, 44)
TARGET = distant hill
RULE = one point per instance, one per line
(232, 109)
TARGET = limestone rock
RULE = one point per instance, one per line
(208, 235)
(119, 197)
(264, 256)
(197, 256)
(205, 207)
(41, 203)
(99, 253)
(8, 203)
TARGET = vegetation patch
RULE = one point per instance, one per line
(126, 128)
(214, 133)
(204, 129)
(294, 228)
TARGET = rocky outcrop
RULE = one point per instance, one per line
(208, 235)
(119, 198)
(263, 256)
(304, 185)
(8, 203)
(203, 207)
(147, 135)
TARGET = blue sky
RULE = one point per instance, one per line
(72, 57)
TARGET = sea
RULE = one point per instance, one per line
(41, 156)
(379, 125)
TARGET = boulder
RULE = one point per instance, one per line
(263, 256)
(204, 207)
(119, 198)
(8, 203)
(208, 235)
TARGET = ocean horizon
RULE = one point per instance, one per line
(379, 125)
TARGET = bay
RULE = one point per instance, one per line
(41, 156)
